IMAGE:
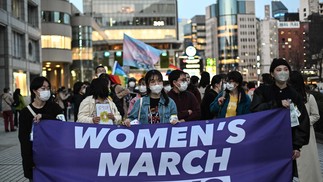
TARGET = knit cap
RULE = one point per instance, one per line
(277, 62)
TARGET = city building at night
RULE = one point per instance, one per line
(307, 8)
(268, 41)
(211, 48)
(56, 41)
(278, 10)
(236, 37)
(194, 36)
(293, 43)
(153, 22)
(84, 63)
(20, 51)
(321, 8)
(67, 52)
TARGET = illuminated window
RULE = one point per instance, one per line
(82, 54)
(19, 79)
(56, 41)
(289, 39)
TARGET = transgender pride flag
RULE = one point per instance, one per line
(138, 54)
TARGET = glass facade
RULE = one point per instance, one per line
(227, 12)
(82, 53)
(56, 17)
(228, 34)
(82, 36)
(228, 7)
(116, 13)
(141, 19)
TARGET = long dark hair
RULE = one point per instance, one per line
(216, 79)
(296, 80)
(35, 84)
(237, 77)
(149, 76)
(77, 87)
(99, 88)
(16, 95)
(205, 79)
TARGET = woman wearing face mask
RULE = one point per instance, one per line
(233, 101)
(280, 95)
(156, 106)
(193, 87)
(142, 89)
(215, 89)
(167, 86)
(132, 90)
(43, 109)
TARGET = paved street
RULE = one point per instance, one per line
(10, 159)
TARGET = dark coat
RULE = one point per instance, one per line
(270, 96)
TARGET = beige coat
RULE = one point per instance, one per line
(87, 111)
(308, 163)
(7, 100)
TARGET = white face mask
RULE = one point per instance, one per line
(183, 86)
(156, 89)
(167, 88)
(224, 86)
(83, 90)
(44, 95)
(230, 86)
(142, 89)
(132, 84)
(282, 76)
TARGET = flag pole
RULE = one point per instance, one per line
(114, 67)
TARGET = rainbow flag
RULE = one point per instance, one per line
(117, 69)
(117, 79)
(118, 75)
(138, 54)
(173, 67)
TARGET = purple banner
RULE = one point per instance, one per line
(253, 147)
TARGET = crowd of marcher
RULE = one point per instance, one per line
(181, 98)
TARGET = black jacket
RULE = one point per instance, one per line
(270, 96)
(205, 105)
(49, 111)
